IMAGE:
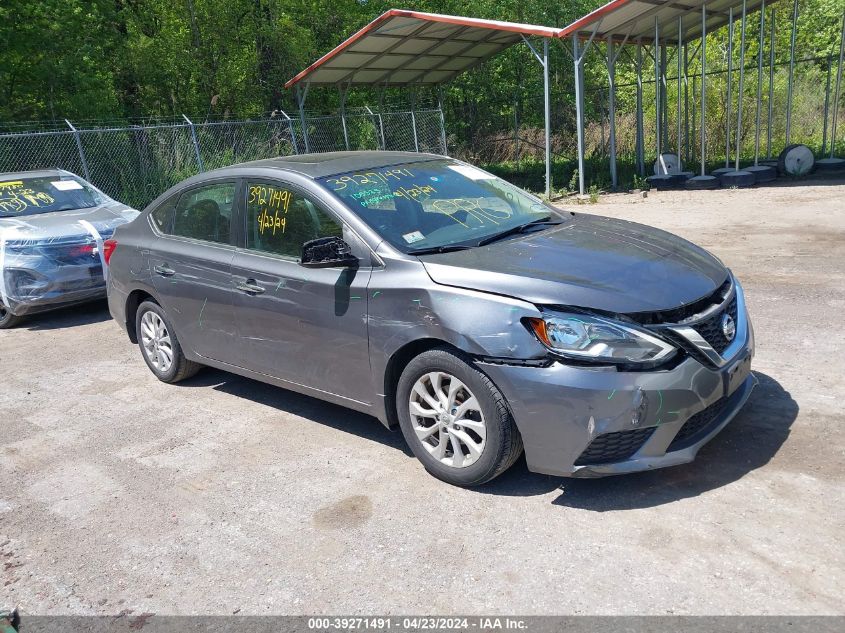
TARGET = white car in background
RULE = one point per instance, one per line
(52, 228)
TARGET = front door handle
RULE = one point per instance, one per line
(250, 287)
(164, 271)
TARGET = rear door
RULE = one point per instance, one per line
(304, 325)
(191, 266)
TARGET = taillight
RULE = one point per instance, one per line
(108, 248)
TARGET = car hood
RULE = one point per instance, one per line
(61, 225)
(589, 262)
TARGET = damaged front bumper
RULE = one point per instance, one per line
(591, 422)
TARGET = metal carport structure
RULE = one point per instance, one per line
(678, 23)
(412, 48)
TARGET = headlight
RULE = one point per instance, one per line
(591, 338)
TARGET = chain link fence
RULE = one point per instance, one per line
(134, 164)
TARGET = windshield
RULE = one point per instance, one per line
(31, 196)
(441, 203)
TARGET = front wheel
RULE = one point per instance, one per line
(160, 347)
(455, 420)
(7, 319)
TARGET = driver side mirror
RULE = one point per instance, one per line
(327, 252)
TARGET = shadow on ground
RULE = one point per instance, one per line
(71, 316)
(747, 443)
(312, 409)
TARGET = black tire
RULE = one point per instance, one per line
(783, 168)
(7, 319)
(503, 444)
(701, 183)
(739, 179)
(763, 173)
(180, 367)
(830, 165)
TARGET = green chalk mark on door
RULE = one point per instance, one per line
(201, 311)
(611, 394)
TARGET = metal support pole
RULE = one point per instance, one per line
(664, 100)
(414, 120)
(301, 95)
(759, 105)
(579, 111)
(837, 94)
(791, 73)
(343, 116)
(381, 118)
(611, 109)
(442, 119)
(741, 86)
(196, 143)
(292, 133)
(379, 134)
(728, 100)
(686, 105)
(657, 113)
(680, 70)
(640, 131)
(771, 84)
(703, 85)
(82, 153)
(826, 103)
(547, 114)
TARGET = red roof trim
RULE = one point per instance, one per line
(525, 29)
(592, 17)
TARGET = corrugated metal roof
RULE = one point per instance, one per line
(636, 19)
(409, 47)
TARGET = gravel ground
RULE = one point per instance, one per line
(221, 495)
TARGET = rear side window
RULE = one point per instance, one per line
(205, 213)
(279, 221)
(162, 216)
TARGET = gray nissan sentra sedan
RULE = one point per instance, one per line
(435, 296)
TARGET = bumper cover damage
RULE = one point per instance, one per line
(592, 422)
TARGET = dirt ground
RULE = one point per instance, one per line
(222, 495)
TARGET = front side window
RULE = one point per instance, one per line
(438, 203)
(32, 196)
(205, 213)
(279, 221)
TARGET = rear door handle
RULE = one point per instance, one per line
(164, 271)
(250, 287)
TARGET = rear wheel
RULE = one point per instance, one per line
(7, 319)
(455, 420)
(160, 347)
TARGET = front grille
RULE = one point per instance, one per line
(614, 447)
(711, 328)
(698, 426)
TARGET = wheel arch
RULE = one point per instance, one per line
(133, 300)
(397, 362)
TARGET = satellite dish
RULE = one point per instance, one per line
(667, 165)
(796, 160)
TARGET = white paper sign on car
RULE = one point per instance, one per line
(473, 173)
(65, 185)
(413, 236)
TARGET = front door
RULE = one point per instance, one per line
(191, 266)
(303, 325)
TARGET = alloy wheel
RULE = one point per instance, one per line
(155, 338)
(447, 419)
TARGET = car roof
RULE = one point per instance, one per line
(330, 163)
(35, 173)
